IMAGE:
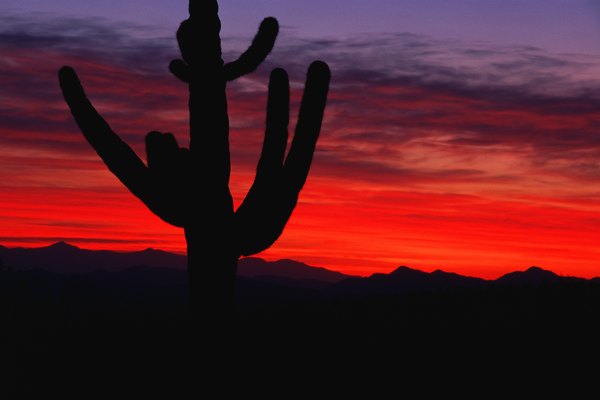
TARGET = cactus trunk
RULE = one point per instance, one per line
(212, 269)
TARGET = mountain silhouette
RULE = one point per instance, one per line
(151, 267)
(531, 276)
(64, 258)
(289, 272)
(404, 279)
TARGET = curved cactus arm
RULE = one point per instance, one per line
(158, 186)
(180, 69)
(263, 214)
(120, 159)
(248, 62)
(258, 51)
(276, 132)
(310, 118)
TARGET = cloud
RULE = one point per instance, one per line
(391, 95)
(542, 112)
(98, 40)
(408, 84)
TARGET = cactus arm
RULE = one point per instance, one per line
(116, 154)
(262, 216)
(310, 118)
(248, 62)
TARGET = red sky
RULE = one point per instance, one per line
(469, 157)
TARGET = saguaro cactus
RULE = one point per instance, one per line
(189, 188)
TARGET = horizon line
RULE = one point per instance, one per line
(183, 254)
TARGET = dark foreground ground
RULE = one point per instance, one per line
(98, 335)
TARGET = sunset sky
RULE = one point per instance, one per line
(461, 135)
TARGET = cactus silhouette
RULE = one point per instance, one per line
(189, 188)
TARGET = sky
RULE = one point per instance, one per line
(459, 135)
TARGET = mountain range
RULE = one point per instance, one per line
(64, 258)
(254, 274)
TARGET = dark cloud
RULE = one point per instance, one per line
(98, 40)
(519, 97)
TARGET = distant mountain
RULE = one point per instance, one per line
(154, 267)
(64, 258)
(532, 276)
(405, 279)
(288, 272)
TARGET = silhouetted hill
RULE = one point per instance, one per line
(531, 276)
(150, 266)
(405, 279)
(289, 272)
(64, 258)
(149, 276)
